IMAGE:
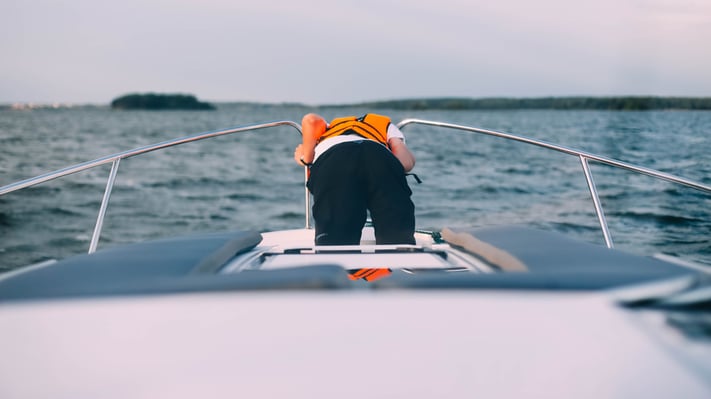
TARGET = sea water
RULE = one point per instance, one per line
(250, 181)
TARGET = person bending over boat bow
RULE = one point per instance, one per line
(357, 164)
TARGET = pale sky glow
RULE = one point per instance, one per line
(329, 51)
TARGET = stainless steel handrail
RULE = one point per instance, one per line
(584, 158)
(117, 157)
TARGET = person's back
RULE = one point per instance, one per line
(356, 165)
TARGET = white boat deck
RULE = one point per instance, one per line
(293, 248)
(304, 238)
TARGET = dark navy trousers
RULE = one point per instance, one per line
(351, 178)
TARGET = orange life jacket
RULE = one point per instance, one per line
(370, 126)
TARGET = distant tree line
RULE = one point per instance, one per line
(629, 103)
(153, 101)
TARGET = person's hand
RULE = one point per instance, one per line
(299, 154)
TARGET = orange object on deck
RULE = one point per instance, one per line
(369, 273)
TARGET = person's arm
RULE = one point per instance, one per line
(396, 143)
(312, 127)
(402, 153)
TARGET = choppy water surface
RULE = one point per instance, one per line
(249, 181)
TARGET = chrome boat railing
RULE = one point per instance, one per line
(583, 156)
(115, 159)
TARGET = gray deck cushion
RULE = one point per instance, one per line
(547, 251)
(553, 260)
(131, 264)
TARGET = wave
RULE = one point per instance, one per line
(59, 211)
(182, 182)
(501, 190)
(5, 219)
(657, 218)
(245, 197)
(290, 216)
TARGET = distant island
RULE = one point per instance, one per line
(154, 101)
(625, 103)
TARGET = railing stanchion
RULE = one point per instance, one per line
(104, 204)
(307, 198)
(596, 202)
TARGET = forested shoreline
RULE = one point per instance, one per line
(153, 101)
(627, 103)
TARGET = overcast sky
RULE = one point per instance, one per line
(331, 51)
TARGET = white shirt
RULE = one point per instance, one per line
(393, 132)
